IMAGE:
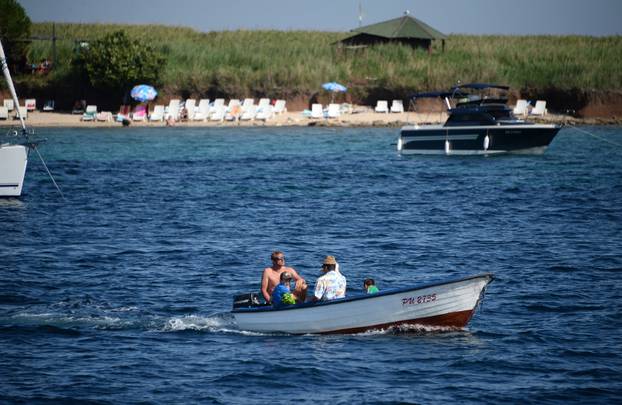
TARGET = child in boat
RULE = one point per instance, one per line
(369, 285)
(281, 295)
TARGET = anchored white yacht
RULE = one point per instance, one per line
(13, 156)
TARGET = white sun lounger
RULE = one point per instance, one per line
(218, 113)
(263, 102)
(382, 106)
(219, 102)
(157, 114)
(334, 110)
(172, 111)
(397, 106)
(317, 111)
(539, 109)
(521, 107)
(264, 113)
(249, 113)
(279, 107)
(190, 108)
(9, 104)
(202, 111)
(247, 103)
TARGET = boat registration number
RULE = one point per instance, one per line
(422, 299)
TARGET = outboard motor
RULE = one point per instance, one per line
(247, 300)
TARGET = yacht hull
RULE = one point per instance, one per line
(448, 304)
(13, 162)
(477, 140)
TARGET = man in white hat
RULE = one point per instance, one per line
(332, 284)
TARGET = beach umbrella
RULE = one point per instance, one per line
(143, 92)
(334, 87)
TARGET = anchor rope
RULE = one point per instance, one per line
(48, 171)
(595, 136)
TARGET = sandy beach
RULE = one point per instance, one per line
(361, 117)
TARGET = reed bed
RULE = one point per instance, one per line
(289, 63)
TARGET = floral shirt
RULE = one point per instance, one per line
(330, 286)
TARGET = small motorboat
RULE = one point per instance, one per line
(447, 304)
(476, 125)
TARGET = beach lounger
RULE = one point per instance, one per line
(48, 106)
(249, 113)
(219, 112)
(140, 113)
(247, 103)
(157, 114)
(218, 103)
(334, 111)
(104, 116)
(397, 106)
(382, 106)
(521, 107)
(233, 102)
(89, 113)
(279, 107)
(172, 111)
(23, 111)
(9, 104)
(125, 112)
(202, 111)
(189, 106)
(317, 111)
(539, 109)
(4, 113)
(234, 111)
(263, 102)
(345, 108)
(31, 104)
(264, 113)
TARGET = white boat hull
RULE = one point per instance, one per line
(449, 304)
(13, 162)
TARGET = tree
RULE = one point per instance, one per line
(14, 33)
(116, 63)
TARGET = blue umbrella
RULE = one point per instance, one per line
(334, 87)
(143, 92)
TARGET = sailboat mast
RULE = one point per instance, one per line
(9, 81)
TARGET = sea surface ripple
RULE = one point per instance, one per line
(121, 293)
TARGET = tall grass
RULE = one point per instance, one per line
(289, 63)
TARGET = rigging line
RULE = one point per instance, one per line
(595, 136)
(48, 170)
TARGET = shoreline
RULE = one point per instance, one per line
(368, 118)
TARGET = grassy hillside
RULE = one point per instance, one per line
(295, 63)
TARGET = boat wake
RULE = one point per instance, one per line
(219, 322)
(130, 318)
(411, 330)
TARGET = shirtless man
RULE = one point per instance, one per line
(271, 278)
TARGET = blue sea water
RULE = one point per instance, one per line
(120, 293)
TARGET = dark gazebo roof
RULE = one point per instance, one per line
(402, 27)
